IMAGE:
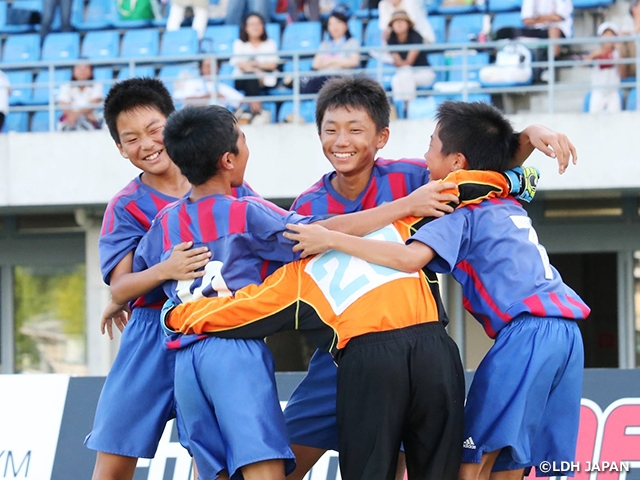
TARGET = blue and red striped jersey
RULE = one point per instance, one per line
(390, 180)
(244, 236)
(127, 218)
(492, 250)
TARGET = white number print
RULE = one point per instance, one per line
(212, 280)
(524, 222)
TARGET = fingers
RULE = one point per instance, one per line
(198, 253)
(183, 246)
(290, 236)
(120, 323)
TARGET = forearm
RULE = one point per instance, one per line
(129, 286)
(367, 221)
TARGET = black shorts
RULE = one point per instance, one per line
(404, 385)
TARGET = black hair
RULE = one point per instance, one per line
(197, 137)
(343, 18)
(359, 92)
(135, 93)
(478, 131)
(243, 27)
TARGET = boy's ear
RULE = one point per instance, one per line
(460, 163)
(383, 138)
(226, 161)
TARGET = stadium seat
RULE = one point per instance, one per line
(356, 28)
(171, 73)
(400, 109)
(431, 6)
(439, 25)
(104, 75)
(274, 32)
(61, 46)
(4, 28)
(16, 122)
(280, 17)
(421, 108)
(438, 62)
(22, 48)
(226, 69)
(382, 72)
(21, 87)
(307, 111)
(301, 36)
(139, 71)
(304, 65)
(590, 4)
(474, 63)
(632, 100)
(465, 28)
(40, 120)
(505, 20)
(177, 43)
(372, 35)
(101, 45)
(140, 43)
(97, 15)
(219, 39)
(505, 5)
(41, 88)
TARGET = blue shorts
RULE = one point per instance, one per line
(137, 398)
(311, 411)
(525, 396)
(227, 398)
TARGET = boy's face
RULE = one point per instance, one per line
(350, 139)
(439, 165)
(240, 160)
(140, 131)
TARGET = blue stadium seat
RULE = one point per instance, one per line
(97, 15)
(356, 28)
(439, 25)
(171, 73)
(632, 100)
(139, 71)
(41, 90)
(400, 109)
(464, 28)
(104, 75)
(372, 35)
(4, 28)
(431, 6)
(589, 4)
(274, 32)
(388, 71)
(61, 46)
(503, 20)
(101, 45)
(505, 5)
(180, 42)
(16, 122)
(219, 39)
(226, 69)
(40, 121)
(307, 111)
(21, 87)
(301, 36)
(22, 48)
(439, 62)
(304, 65)
(140, 43)
(421, 108)
(474, 64)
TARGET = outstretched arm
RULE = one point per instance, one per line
(553, 144)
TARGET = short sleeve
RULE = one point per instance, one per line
(237, 49)
(64, 94)
(149, 251)
(564, 8)
(268, 46)
(527, 9)
(448, 237)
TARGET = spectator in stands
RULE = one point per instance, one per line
(255, 54)
(200, 90)
(79, 100)
(5, 89)
(311, 7)
(237, 9)
(48, 11)
(336, 52)
(200, 15)
(412, 66)
(416, 11)
(628, 49)
(547, 19)
(605, 75)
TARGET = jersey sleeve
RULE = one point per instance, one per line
(150, 249)
(119, 235)
(448, 236)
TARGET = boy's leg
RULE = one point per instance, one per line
(482, 470)
(267, 470)
(113, 467)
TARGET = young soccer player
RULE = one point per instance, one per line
(524, 403)
(352, 118)
(137, 398)
(225, 389)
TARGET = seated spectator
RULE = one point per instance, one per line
(200, 15)
(199, 90)
(416, 11)
(547, 19)
(237, 9)
(606, 75)
(4, 97)
(628, 49)
(413, 66)
(254, 53)
(79, 100)
(335, 53)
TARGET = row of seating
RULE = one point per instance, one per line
(218, 39)
(102, 14)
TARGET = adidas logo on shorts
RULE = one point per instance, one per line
(468, 443)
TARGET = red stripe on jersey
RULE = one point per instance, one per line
(535, 306)
(398, 184)
(369, 199)
(583, 308)
(107, 223)
(238, 217)
(486, 322)
(184, 224)
(166, 239)
(264, 271)
(565, 311)
(206, 220)
(333, 206)
(304, 209)
(141, 218)
(468, 269)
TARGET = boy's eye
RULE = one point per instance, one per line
(130, 140)
(330, 131)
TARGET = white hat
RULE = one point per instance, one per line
(604, 26)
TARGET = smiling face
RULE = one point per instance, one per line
(350, 140)
(336, 28)
(140, 131)
(254, 27)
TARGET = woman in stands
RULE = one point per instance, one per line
(337, 52)
(257, 55)
(79, 100)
